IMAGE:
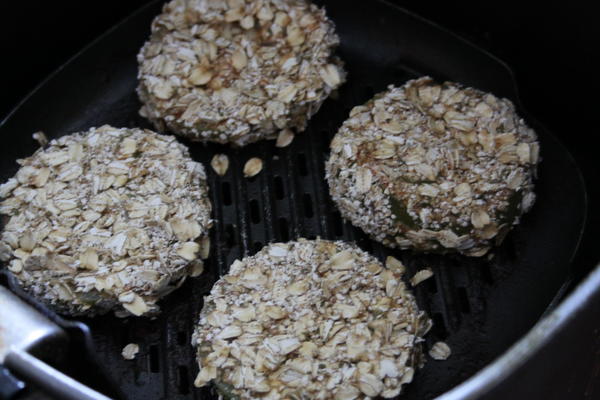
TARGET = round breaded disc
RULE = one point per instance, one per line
(434, 167)
(107, 219)
(310, 319)
(237, 71)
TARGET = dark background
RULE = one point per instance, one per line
(550, 48)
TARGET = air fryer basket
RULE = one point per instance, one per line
(480, 306)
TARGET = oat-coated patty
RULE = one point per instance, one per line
(434, 167)
(310, 319)
(237, 71)
(106, 219)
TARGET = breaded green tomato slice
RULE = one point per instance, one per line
(310, 319)
(434, 167)
(106, 220)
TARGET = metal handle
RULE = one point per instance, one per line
(9, 385)
(49, 378)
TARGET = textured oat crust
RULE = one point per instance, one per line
(310, 319)
(434, 167)
(237, 71)
(107, 219)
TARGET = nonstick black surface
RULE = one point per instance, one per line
(479, 306)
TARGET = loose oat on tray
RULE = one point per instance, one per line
(107, 219)
(237, 71)
(311, 319)
(434, 167)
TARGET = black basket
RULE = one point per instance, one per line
(479, 305)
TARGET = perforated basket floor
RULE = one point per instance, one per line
(479, 306)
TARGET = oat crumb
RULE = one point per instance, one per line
(130, 351)
(440, 351)
(421, 276)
